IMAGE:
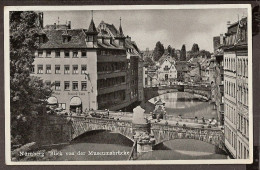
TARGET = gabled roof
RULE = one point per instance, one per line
(166, 57)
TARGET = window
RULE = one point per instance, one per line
(75, 54)
(40, 53)
(40, 69)
(67, 54)
(48, 83)
(74, 85)
(83, 54)
(57, 54)
(48, 53)
(83, 85)
(48, 69)
(83, 69)
(66, 69)
(32, 69)
(90, 38)
(57, 85)
(57, 69)
(75, 69)
(166, 77)
(66, 85)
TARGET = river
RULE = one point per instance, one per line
(183, 103)
(177, 103)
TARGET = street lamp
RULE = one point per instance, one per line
(87, 77)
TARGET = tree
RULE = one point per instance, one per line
(148, 61)
(170, 50)
(158, 51)
(183, 53)
(195, 48)
(27, 94)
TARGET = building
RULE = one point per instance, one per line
(182, 71)
(151, 76)
(217, 75)
(166, 72)
(148, 53)
(94, 68)
(236, 89)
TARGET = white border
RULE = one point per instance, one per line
(121, 7)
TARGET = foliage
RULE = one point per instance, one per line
(148, 61)
(170, 50)
(195, 48)
(27, 94)
(158, 51)
(183, 53)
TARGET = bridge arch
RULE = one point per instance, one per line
(79, 127)
(103, 136)
(166, 133)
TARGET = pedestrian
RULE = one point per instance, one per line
(108, 112)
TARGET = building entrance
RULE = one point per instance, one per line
(75, 105)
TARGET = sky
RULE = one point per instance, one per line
(173, 27)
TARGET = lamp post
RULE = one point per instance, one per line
(87, 77)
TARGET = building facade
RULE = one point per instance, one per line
(236, 90)
(89, 68)
(167, 73)
(217, 74)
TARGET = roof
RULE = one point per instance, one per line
(181, 66)
(148, 53)
(55, 39)
(57, 26)
(78, 38)
(92, 27)
(166, 57)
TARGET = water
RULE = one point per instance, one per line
(183, 149)
(96, 141)
(177, 103)
(184, 104)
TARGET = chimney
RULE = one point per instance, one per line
(69, 25)
(221, 39)
(55, 26)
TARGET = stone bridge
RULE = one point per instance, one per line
(161, 132)
(151, 92)
(81, 125)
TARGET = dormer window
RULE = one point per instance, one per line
(65, 39)
(41, 39)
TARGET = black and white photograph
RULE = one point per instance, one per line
(150, 84)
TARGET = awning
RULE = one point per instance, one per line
(52, 100)
(75, 101)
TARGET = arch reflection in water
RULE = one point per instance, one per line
(97, 141)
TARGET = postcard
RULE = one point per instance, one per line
(135, 84)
